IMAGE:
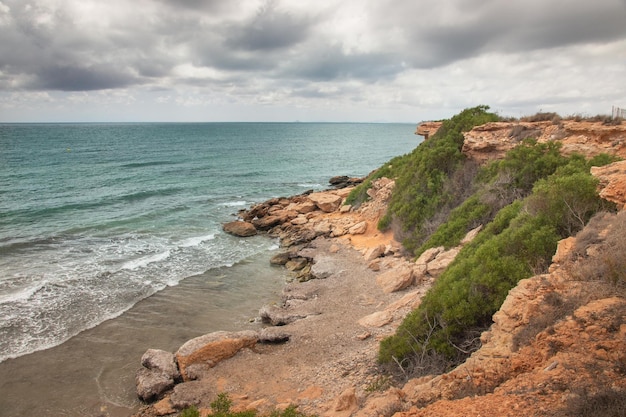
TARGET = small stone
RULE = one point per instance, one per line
(358, 229)
(373, 253)
(296, 264)
(273, 335)
(280, 258)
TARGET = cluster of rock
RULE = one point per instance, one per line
(162, 370)
(296, 220)
(300, 219)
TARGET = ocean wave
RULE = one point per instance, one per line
(196, 240)
(239, 203)
(146, 260)
(146, 164)
(22, 294)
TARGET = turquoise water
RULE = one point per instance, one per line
(97, 217)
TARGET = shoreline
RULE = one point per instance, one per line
(341, 316)
(93, 373)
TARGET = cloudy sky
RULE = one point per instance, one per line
(321, 60)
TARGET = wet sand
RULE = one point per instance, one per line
(93, 373)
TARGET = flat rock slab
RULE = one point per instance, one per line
(326, 202)
(212, 348)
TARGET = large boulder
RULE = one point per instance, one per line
(374, 252)
(326, 202)
(324, 267)
(358, 229)
(377, 319)
(151, 385)
(441, 262)
(210, 349)
(267, 222)
(162, 361)
(241, 229)
(158, 374)
(428, 255)
(395, 279)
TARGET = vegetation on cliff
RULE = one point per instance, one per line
(527, 202)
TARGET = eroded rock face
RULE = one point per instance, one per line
(427, 129)
(612, 179)
(493, 140)
(212, 348)
(554, 344)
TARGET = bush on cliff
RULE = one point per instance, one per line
(422, 174)
(497, 185)
(519, 241)
(425, 181)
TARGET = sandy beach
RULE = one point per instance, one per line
(332, 350)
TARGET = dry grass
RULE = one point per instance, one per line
(600, 251)
(606, 403)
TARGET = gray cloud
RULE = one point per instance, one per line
(445, 32)
(270, 29)
(332, 63)
(68, 78)
(243, 49)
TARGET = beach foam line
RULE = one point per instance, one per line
(144, 261)
(238, 203)
(23, 294)
(196, 240)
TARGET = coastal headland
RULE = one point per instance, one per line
(557, 343)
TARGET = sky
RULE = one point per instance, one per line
(296, 60)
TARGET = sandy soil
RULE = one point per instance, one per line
(328, 351)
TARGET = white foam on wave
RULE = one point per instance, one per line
(196, 240)
(305, 185)
(22, 294)
(238, 203)
(146, 260)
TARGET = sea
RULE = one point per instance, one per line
(114, 230)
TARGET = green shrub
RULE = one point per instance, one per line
(190, 412)
(221, 407)
(523, 165)
(422, 176)
(519, 241)
(462, 219)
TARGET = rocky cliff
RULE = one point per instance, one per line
(493, 140)
(558, 343)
